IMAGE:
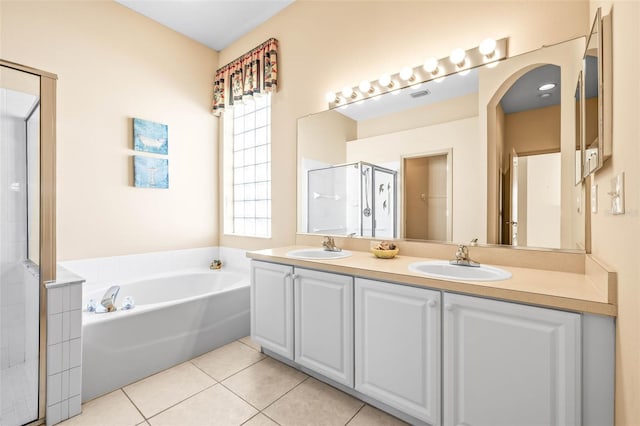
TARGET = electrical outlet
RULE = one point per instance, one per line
(594, 198)
(617, 194)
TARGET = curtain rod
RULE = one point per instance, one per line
(260, 46)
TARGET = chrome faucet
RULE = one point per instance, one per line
(109, 298)
(330, 245)
(462, 257)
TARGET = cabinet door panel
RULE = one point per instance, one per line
(397, 348)
(324, 323)
(510, 364)
(272, 307)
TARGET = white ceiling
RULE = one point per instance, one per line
(214, 23)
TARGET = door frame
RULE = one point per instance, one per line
(47, 264)
(401, 188)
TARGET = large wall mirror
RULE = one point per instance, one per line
(489, 155)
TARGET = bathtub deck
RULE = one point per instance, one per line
(232, 385)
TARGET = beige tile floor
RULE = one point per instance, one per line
(232, 385)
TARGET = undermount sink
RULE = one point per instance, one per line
(442, 269)
(317, 254)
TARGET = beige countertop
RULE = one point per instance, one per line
(592, 292)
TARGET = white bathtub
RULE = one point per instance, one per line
(177, 317)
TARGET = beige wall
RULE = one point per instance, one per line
(327, 44)
(114, 64)
(532, 132)
(616, 239)
(426, 115)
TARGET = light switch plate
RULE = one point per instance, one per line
(617, 194)
(594, 198)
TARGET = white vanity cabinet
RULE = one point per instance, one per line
(434, 357)
(509, 364)
(324, 323)
(272, 307)
(397, 347)
(323, 319)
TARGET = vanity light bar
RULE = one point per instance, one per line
(460, 61)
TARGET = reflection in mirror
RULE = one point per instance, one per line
(593, 112)
(453, 117)
(427, 196)
(351, 199)
(531, 160)
(579, 132)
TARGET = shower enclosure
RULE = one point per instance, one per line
(352, 199)
(27, 237)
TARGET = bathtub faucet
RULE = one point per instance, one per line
(109, 298)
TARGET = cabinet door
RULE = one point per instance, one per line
(397, 335)
(324, 323)
(272, 307)
(507, 364)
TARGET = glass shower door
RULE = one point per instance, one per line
(19, 246)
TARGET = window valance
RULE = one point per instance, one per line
(254, 73)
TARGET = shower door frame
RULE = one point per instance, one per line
(47, 266)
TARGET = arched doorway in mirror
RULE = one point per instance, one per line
(528, 120)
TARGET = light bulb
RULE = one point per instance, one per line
(431, 65)
(546, 86)
(487, 47)
(457, 57)
(347, 92)
(365, 86)
(331, 97)
(385, 80)
(406, 74)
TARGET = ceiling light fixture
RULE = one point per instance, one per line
(431, 66)
(547, 86)
(366, 87)
(348, 92)
(385, 81)
(332, 98)
(487, 47)
(488, 53)
(406, 74)
(457, 57)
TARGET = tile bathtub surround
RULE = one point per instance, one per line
(257, 391)
(64, 347)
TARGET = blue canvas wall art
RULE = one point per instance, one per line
(150, 137)
(150, 172)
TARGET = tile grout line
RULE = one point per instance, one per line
(133, 403)
(177, 403)
(356, 413)
(267, 416)
(249, 346)
(239, 371)
(283, 395)
(241, 398)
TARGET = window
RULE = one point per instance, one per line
(247, 163)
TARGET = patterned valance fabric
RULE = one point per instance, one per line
(254, 73)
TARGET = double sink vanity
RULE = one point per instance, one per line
(529, 342)
(433, 345)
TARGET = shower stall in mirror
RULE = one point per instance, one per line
(352, 199)
(25, 263)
